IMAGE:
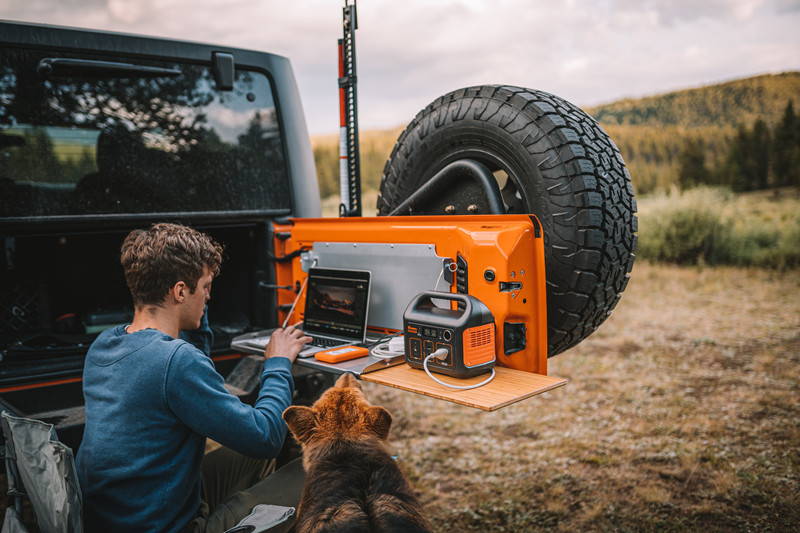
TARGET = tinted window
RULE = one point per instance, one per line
(95, 144)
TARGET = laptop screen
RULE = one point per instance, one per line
(336, 302)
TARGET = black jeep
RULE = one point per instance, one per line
(101, 133)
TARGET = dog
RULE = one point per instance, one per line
(352, 483)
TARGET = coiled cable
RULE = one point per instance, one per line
(442, 353)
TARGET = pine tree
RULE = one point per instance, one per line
(747, 164)
(786, 160)
(796, 175)
(692, 170)
(761, 148)
(736, 164)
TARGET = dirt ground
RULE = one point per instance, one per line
(682, 413)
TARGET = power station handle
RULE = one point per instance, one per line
(424, 300)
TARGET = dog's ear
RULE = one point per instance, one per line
(347, 380)
(378, 420)
(301, 421)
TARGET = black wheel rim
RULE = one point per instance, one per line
(513, 195)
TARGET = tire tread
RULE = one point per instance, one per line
(591, 242)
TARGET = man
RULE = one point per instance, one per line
(152, 398)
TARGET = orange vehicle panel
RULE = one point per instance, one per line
(511, 246)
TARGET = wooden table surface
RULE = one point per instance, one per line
(507, 387)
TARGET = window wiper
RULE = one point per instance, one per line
(59, 67)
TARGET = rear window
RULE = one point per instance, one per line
(81, 144)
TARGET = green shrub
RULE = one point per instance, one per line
(683, 228)
(713, 226)
(787, 253)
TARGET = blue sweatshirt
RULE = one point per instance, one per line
(151, 401)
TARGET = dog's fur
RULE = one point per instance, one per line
(352, 483)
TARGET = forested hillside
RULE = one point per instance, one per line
(744, 134)
(723, 105)
(736, 134)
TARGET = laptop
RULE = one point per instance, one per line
(337, 301)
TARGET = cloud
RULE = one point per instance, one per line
(413, 51)
(673, 12)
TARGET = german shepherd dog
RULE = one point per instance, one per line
(352, 483)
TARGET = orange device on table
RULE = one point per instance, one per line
(342, 353)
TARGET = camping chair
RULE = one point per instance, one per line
(43, 469)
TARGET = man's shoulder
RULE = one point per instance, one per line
(187, 355)
(115, 345)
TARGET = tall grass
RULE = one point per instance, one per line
(715, 227)
(376, 146)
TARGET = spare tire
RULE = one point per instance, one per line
(551, 159)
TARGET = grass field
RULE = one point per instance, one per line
(681, 413)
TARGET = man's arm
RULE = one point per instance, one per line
(195, 392)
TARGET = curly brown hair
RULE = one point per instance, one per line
(157, 258)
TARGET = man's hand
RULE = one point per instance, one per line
(286, 342)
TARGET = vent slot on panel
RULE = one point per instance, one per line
(461, 279)
(480, 336)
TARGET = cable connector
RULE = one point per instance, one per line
(440, 354)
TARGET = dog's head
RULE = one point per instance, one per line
(342, 412)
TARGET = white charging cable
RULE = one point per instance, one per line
(390, 349)
(395, 347)
(441, 353)
(297, 298)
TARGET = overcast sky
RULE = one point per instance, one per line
(411, 51)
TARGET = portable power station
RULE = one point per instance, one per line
(468, 334)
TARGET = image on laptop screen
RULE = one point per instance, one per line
(336, 302)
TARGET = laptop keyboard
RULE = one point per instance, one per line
(323, 342)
